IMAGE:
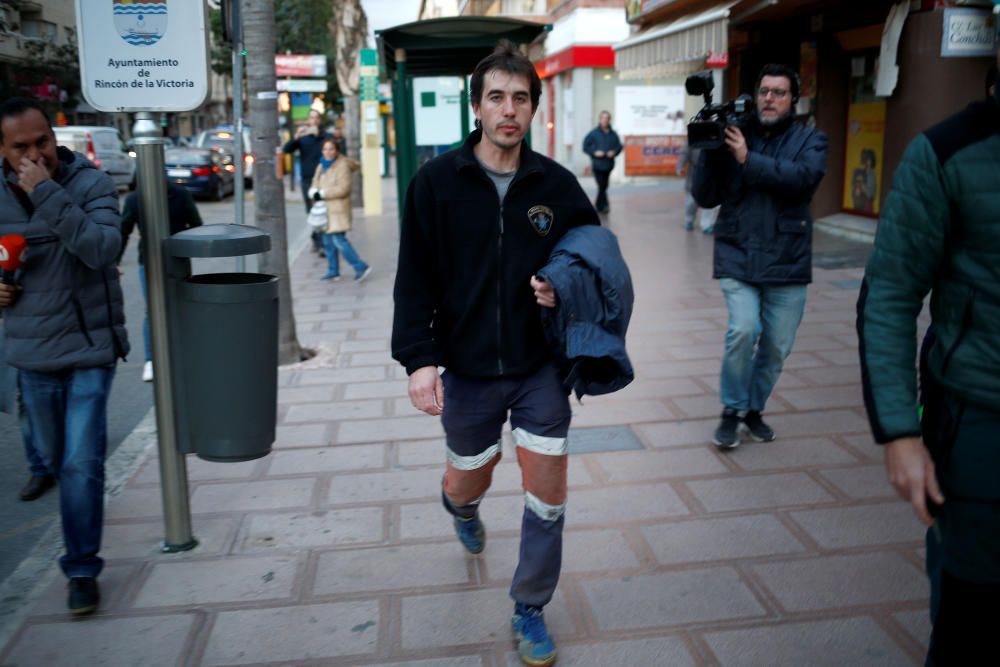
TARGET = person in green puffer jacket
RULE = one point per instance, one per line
(940, 234)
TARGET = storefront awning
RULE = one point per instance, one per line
(676, 48)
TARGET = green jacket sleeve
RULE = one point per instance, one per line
(901, 271)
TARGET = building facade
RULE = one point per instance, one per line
(872, 74)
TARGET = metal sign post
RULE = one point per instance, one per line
(149, 58)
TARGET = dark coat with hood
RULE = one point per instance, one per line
(763, 234)
(69, 314)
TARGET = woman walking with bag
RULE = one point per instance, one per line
(332, 184)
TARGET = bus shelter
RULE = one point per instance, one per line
(429, 63)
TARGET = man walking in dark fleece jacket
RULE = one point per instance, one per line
(477, 224)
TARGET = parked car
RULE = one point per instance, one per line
(202, 171)
(222, 138)
(170, 142)
(104, 147)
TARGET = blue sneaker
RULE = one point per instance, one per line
(534, 644)
(471, 534)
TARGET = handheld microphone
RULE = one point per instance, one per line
(13, 249)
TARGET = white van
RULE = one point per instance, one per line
(104, 147)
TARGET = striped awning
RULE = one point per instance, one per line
(678, 48)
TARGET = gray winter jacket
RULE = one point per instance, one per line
(70, 312)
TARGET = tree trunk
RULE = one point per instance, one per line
(352, 115)
(269, 193)
(349, 30)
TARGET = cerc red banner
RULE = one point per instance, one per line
(299, 65)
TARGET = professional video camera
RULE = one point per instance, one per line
(708, 128)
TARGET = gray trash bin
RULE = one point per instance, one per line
(224, 346)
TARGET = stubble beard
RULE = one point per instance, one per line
(771, 122)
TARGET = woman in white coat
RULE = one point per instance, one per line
(332, 183)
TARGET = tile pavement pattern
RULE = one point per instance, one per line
(334, 550)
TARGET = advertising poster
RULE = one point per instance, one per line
(864, 157)
(653, 155)
(647, 110)
(437, 110)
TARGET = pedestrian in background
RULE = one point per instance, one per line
(332, 183)
(764, 178)
(182, 214)
(478, 223)
(688, 159)
(308, 142)
(939, 233)
(603, 146)
(64, 322)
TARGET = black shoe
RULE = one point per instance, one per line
(759, 430)
(37, 486)
(727, 435)
(84, 595)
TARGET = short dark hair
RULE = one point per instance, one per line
(16, 106)
(780, 70)
(330, 140)
(506, 58)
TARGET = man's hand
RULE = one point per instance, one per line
(598, 153)
(911, 472)
(30, 174)
(301, 132)
(8, 294)
(610, 154)
(545, 294)
(737, 144)
(427, 390)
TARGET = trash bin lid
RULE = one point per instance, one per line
(218, 241)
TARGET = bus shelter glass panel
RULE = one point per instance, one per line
(437, 115)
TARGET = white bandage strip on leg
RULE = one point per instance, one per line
(473, 462)
(540, 444)
(542, 509)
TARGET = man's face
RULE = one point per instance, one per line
(774, 99)
(604, 120)
(505, 110)
(29, 136)
(315, 119)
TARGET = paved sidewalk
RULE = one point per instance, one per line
(334, 549)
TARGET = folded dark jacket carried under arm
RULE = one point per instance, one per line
(587, 327)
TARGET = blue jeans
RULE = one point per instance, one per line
(145, 316)
(67, 411)
(338, 241)
(36, 464)
(763, 320)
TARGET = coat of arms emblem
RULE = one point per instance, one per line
(140, 23)
(541, 218)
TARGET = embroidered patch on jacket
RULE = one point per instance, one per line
(541, 218)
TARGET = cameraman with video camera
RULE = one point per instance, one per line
(763, 173)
